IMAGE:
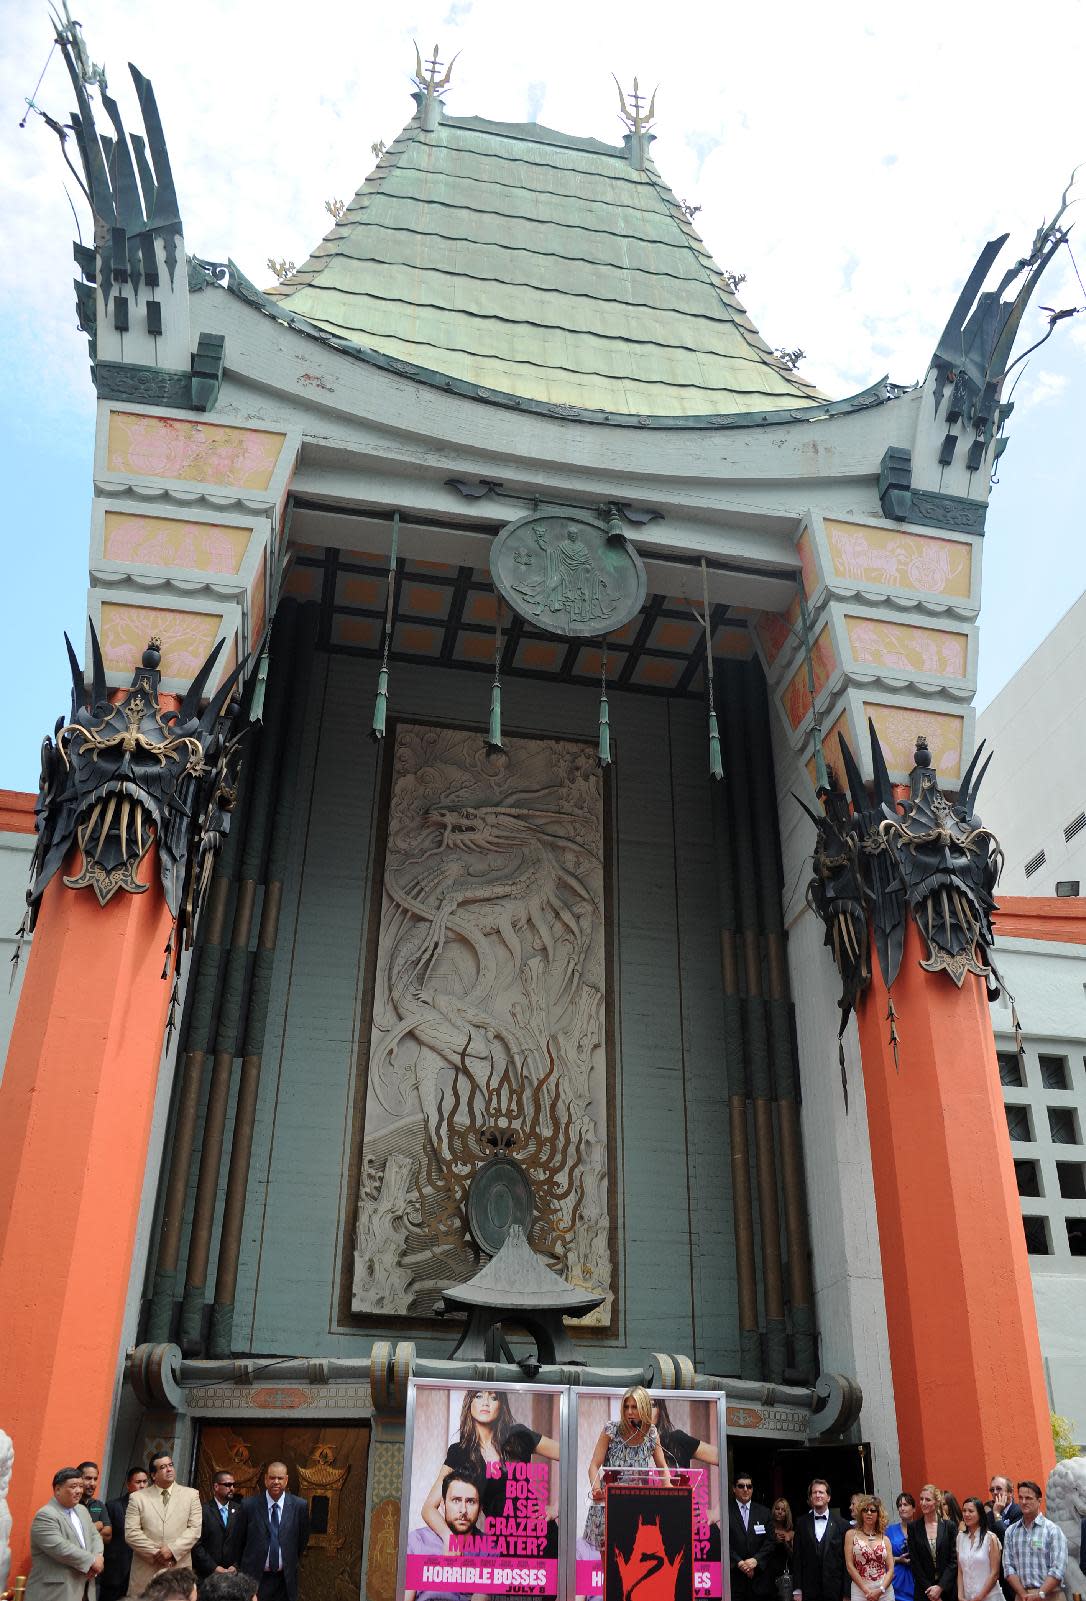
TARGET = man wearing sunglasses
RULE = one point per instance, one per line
(750, 1539)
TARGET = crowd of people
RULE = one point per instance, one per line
(937, 1549)
(158, 1541)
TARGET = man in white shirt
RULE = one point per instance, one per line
(65, 1547)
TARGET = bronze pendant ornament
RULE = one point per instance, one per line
(569, 576)
(125, 772)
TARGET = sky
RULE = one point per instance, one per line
(851, 159)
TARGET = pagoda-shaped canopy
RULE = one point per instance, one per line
(518, 1285)
(534, 264)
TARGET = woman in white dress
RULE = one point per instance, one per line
(978, 1554)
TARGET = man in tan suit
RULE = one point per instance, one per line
(161, 1525)
(65, 1547)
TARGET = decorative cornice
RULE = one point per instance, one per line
(902, 503)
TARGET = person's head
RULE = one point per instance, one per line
(661, 1418)
(162, 1470)
(135, 1479)
(974, 1517)
(636, 1409)
(781, 1513)
(743, 1488)
(951, 1508)
(68, 1486)
(89, 1470)
(906, 1507)
(222, 1486)
(870, 1514)
(1000, 1485)
(275, 1479)
(818, 1494)
(485, 1414)
(931, 1502)
(1029, 1498)
(228, 1587)
(174, 1584)
(461, 1501)
(852, 1503)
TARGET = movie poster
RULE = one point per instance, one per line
(689, 1427)
(482, 1491)
(649, 1543)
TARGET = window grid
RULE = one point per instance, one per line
(1051, 1173)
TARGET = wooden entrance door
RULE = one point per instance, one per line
(326, 1464)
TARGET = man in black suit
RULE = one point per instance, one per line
(217, 1550)
(818, 1553)
(750, 1541)
(273, 1532)
(113, 1583)
(1003, 1509)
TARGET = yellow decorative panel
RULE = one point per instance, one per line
(908, 648)
(898, 727)
(187, 637)
(169, 542)
(831, 750)
(808, 563)
(198, 452)
(257, 603)
(796, 696)
(775, 630)
(907, 561)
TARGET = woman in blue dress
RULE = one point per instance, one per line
(898, 1535)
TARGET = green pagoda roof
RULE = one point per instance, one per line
(533, 264)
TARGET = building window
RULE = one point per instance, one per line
(1072, 1177)
(1076, 1235)
(1034, 863)
(1037, 1240)
(1054, 1074)
(1028, 1175)
(1063, 1125)
(1010, 1069)
(1019, 1122)
(1075, 827)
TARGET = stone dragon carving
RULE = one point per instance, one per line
(1065, 1504)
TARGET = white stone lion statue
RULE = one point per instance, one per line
(1065, 1504)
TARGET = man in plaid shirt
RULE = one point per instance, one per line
(1035, 1554)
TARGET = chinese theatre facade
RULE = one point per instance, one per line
(477, 620)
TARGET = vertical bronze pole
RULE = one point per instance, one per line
(782, 1037)
(746, 1271)
(233, 1217)
(754, 1018)
(264, 761)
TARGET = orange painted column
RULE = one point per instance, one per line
(76, 1103)
(964, 1348)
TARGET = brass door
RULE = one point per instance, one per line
(326, 1464)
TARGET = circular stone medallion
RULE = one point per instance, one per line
(499, 1196)
(565, 576)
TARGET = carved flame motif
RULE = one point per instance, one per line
(513, 1119)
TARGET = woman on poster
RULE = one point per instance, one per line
(680, 1448)
(488, 1433)
(633, 1443)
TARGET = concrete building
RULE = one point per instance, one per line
(509, 480)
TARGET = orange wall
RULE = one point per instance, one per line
(964, 1348)
(1041, 917)
(16, 812)
(75, 1114)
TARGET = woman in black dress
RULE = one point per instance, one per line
(680, 1448)
(488, 1433)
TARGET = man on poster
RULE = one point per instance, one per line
(461, 1504)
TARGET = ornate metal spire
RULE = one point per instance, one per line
(430, 87)
(639, 120)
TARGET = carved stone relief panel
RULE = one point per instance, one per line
(489, 1030)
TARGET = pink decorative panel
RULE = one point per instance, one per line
(258, 603)
(907, 561)
(187, 637)
(197, 452)
(908, 648)
(169, 542)
(898, 727)
(796, 697)
(808, 563)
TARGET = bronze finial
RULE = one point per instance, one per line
(639, 120)
(428, 81)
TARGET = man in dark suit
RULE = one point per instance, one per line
(113, 1585)
(273, 1532)
(818, 1553)
(750, 1541)
(217, 1550)
(1003, 1509)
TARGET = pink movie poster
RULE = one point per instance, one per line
(482, 1492)
(683, 1449)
